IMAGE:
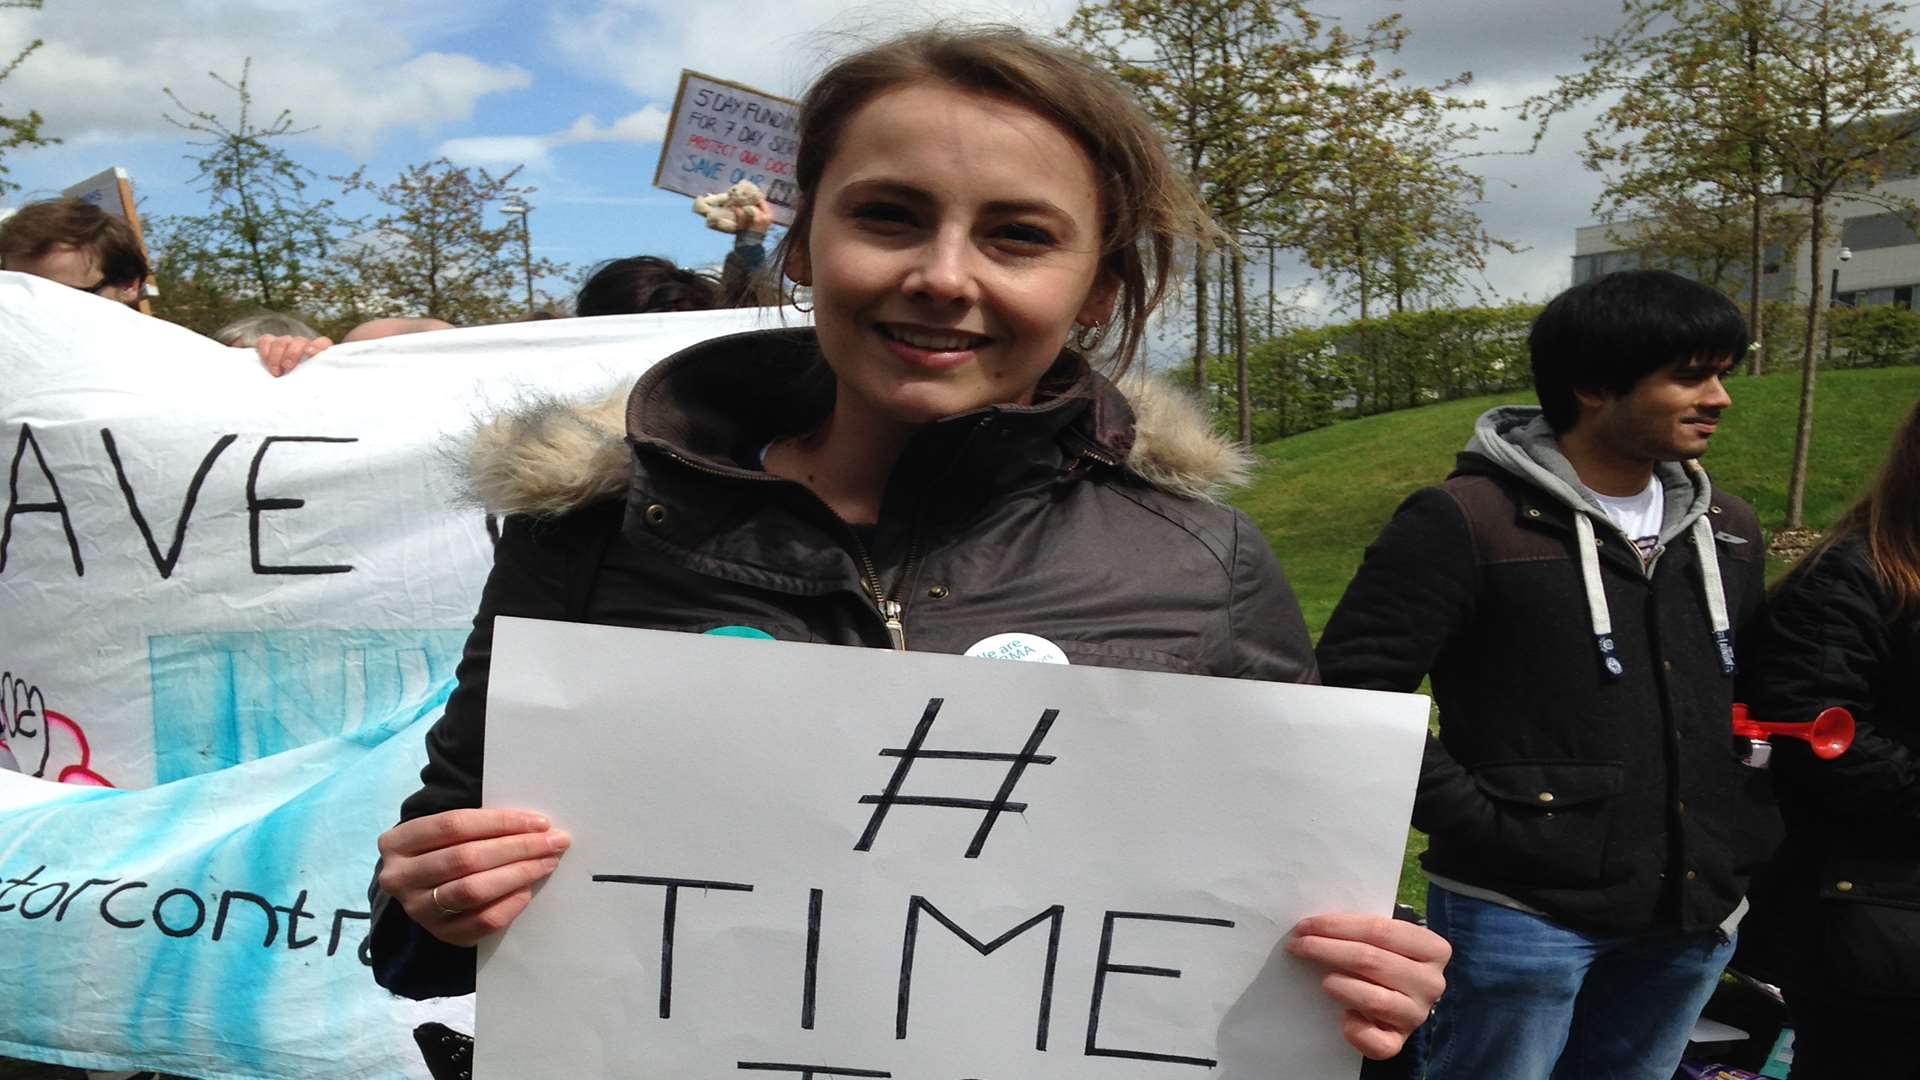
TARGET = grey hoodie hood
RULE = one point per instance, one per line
(1518, 438)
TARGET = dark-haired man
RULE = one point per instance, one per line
(78, 244)
(1573, 589)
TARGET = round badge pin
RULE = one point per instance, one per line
(753, 632)
(1031, 648)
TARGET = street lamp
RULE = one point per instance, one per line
(520, 207)
(1833, 300)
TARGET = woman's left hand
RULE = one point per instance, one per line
(1386, 972)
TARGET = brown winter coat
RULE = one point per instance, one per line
(1087, 519)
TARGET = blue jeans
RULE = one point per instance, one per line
(1529, 999)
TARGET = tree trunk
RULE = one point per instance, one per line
(1756, 312)
(1816, 309)
(1200, 327)
(1756, 353)
(1270, 274)
(1240, 349)
(1226, 339)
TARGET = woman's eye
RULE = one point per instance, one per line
(1027, 235)
(883, 213)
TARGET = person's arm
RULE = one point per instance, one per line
(743, 262)
(1825, 640)
(483, 862)
(1413, 592)
(281, 353)
(1385, 973)
(1267, 633)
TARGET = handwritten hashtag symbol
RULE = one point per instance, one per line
(915, 751)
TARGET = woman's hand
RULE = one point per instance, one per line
(1386, 972)
(466, 874)
(281, 353)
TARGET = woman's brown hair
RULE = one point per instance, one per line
(38, 228)
(1147, 207)
(1888, 517)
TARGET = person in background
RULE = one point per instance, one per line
(640, 284)
(281, 353)
(1843, 628)
(77, 244)
(978, 211)
(244, 332)
(1573, 590)
(645, 283)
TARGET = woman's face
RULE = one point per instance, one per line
(955, 243)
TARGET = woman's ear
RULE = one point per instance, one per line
(799, 264)
(1098, 307)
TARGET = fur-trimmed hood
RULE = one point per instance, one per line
(548, 455)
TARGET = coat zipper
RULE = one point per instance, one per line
(890, 608)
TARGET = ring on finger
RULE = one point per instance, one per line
(433, 895)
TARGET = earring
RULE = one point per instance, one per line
(793, 300)
(1088, 338)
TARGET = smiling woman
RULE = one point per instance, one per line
(931, 467)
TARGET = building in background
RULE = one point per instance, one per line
(1882, 264)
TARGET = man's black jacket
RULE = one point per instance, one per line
(1611, 804)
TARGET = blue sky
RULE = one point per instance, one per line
(577, 91)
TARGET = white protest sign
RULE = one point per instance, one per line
(238, 600)
(111, 191)
(807, 860)
(722, 133)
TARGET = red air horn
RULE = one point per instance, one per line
(1829, 735)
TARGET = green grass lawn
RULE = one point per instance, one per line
(1322, 496)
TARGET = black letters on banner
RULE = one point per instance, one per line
(1054, 915)
(226, 901)
(1105, 964)
(808, 1072)
(57, 506)
(257, 506)
(673, 886)
(166, 563)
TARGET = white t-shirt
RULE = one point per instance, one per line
(1637, 516)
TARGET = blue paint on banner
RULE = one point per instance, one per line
(296, 830)
(223, 699)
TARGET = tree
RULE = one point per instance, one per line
(1849, 84)
(1706, 232)
(1685, 137)
(1234, 84)
(263, 241)
(19, 132)
(1390, 214)
(430, 251)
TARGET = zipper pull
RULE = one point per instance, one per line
(890, 611)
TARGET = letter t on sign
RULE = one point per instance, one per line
(673, 887)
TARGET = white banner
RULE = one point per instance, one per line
(245, 595)
(805, 860)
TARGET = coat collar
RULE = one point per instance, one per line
(548, 455)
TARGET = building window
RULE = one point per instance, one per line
(1875, 231)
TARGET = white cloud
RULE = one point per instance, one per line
(643, 44)
(352, 76)
(648, 125)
